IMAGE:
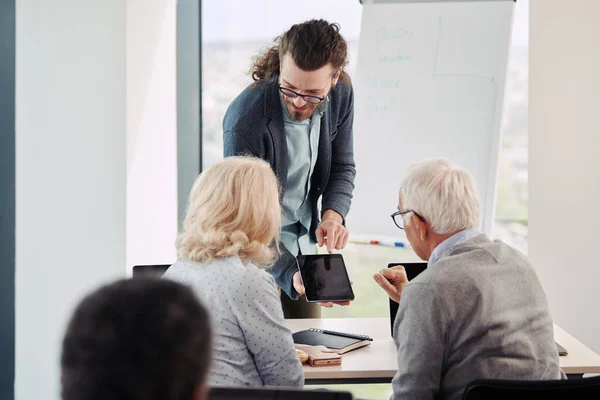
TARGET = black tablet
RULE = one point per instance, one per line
(325, 277)
(412, 270)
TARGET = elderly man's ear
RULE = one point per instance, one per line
(420, 226)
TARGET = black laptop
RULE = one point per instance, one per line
(150, 271)
(412, 270)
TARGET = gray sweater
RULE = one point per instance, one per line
(478, 312)
(251, 344)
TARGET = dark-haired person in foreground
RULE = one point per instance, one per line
(137, 339)
(298, 116)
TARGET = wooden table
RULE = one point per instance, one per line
(377, 363)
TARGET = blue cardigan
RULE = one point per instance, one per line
(253, 125)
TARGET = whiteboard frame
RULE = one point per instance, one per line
(422, 1)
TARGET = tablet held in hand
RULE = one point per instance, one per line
(325, 278)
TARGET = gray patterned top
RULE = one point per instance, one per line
(251, 344)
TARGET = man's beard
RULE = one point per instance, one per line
(306, 112)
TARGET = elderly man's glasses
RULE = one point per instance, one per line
(306, 97)
(398, 219)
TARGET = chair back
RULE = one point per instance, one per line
(150, 271)
(220, 393)
(489, 389)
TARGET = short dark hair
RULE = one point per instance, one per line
(136, 339)
(312, 45)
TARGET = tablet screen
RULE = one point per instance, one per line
(325, 277)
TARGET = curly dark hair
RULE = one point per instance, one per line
(312, 44)
(136, 339)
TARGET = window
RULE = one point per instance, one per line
(511, 201)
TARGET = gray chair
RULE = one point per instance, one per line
(275, 393)
(489, 389)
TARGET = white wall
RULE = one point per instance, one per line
(70, 172)
(564, 160)
(151, 132)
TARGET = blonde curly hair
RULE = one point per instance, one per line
(233, 210)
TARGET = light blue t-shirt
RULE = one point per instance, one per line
(302, 139)
(251, 344)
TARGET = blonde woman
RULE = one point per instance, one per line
(233, 217)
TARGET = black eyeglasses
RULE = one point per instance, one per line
(400, 221)
(306, 97)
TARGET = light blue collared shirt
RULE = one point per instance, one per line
(302, 139)
(454, 240)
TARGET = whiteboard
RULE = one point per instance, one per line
(429, 82)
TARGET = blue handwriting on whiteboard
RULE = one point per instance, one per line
(385, 34)
(388, 83)
(394, 59)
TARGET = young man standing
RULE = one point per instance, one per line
(298, 116)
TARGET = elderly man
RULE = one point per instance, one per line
(478, 310)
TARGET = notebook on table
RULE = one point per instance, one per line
(338, 342)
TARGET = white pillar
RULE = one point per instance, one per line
(70, 172)
(564, 161)
(151, 132)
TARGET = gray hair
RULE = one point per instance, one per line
(444, 194)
